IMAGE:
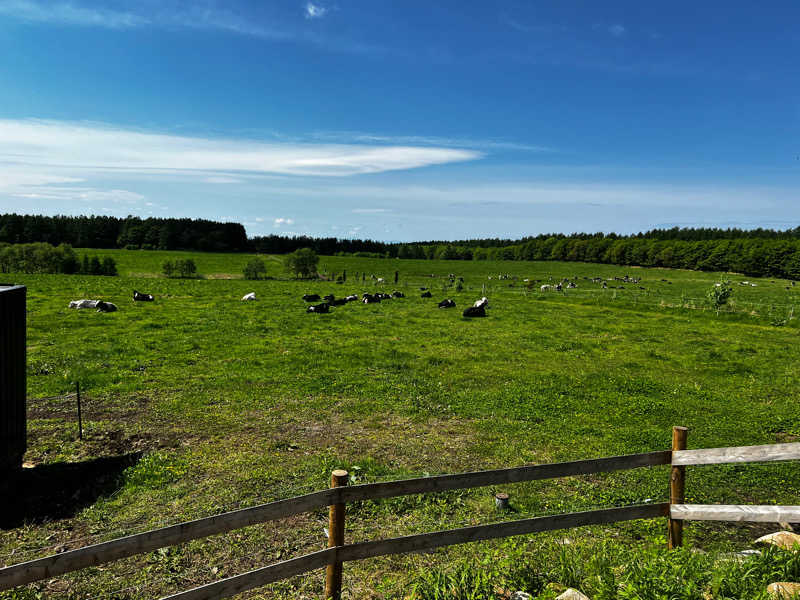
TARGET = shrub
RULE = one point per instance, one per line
(719, 294)
(183, 268)
(302, 262)
(255, 269)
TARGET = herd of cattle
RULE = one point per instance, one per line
(478, 309)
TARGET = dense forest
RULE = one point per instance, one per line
(763, 252)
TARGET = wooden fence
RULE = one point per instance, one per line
(339, 495)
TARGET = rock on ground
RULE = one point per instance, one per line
(783, 589)
(572, 594)
(783, 539)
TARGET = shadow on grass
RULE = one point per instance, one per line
(59, 490)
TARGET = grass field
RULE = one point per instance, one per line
(237, 403)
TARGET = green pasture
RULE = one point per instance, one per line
(236, 403)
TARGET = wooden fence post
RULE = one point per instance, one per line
(677, 487)
(333, 574)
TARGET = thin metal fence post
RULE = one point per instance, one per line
(80, 421)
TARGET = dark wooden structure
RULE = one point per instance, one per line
(12, 376)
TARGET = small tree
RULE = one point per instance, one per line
(168, 268)
(109, 266)
(95, 266)
(255, 269)
(187, 268)
(719, 294)
(302, 262)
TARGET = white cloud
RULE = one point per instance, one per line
(617, 30)
(426, 140)
(70, 14)
(41, 145)
(283, 221)
(315, 11)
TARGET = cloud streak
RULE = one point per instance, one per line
(91, 147)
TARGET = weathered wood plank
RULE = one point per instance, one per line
(737, 454)
(58, 564)
(253, 579)
(441, 483)
(735, 512)
(258, 577)
(464, 535)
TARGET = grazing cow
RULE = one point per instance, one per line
(250, 296)
(311, 297)
(329, 297)
(474, 311)
(545, 288)
(396, 294)
(379, 280)
(426, 294)
(139, 297)
(106, 307)
(571, 285)
(319, 308)
(447, 303)
(558, 287)
(83, 304)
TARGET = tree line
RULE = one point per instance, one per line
(128, 232)
(41, 257)
(755, 252)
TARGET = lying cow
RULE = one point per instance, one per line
(383, 296)
(329, 298)
(352, 298)
(370, 298)
(140, 297)
(250, 296)
(426, 295)
(396, 294)
(83, 303)
(482, 303)
(474, 311)
(447, 303)
(319, 308)
(338, 301)
(311, 297)
(106, 307)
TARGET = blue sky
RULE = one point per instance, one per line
(404, 120)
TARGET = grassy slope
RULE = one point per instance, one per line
(241, 403)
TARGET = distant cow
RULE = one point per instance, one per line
(352, 298)
(140, 297)
(83, 304)
(370, 298)
(311, 297)
(482, 303)
(106, 307)
(319, 308)
(447, 303)
(396, 294)
(426, 294)
(250, 296)
(383, 296)
(545, 288)
(474, 311)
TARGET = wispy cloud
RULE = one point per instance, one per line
(315, 11)
(221, 179)
(70, 14)
(92, 147)
(370, 211)
(617, 30)
(282, 221)
(423, 140)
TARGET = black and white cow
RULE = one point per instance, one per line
(319, 308)
(106, 307)
(329, 298)
(352, 298)
(140, 297)
(396, 294)
(474, 311)
(447, 303)
(311, 297)
(426, 294)
(370, 298)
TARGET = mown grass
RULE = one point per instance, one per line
(239, 403)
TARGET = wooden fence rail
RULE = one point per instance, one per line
(51, 566)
